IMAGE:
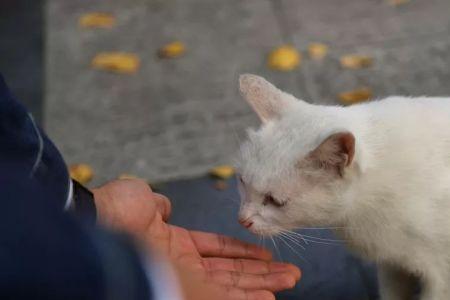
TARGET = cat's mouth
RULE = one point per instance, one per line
(265, 230)
(262, 227)
(265, 233)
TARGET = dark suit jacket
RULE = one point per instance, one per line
(46, 252)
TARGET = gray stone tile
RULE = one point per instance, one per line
(415, 68)
(352, 23)
(171, 118)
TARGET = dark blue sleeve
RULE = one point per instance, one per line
(26, 150)
(46, 253)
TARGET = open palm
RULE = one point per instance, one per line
(233, 268)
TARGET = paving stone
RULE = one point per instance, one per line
(113, 121)
(352, 23)
(410, 69)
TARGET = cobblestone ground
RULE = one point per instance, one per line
(176, 118)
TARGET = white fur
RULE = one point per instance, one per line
(393, 199)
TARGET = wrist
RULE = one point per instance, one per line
(101, 197)
(82, 203)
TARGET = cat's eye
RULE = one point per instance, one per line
(269, 199)
(241, 180)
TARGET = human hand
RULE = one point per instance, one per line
(233, 269)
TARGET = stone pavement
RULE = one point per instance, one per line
(176, 118)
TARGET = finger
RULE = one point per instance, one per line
(273, 282)
(210, 244)
(250, 266)
(163, 205)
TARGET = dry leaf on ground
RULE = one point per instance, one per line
(172, 50)
(222, 172)
(82, 173)
(97, 20)
(355, 96)
(119, 62)
(397, 2)
(355, 61)
(317, 51)
(284, 58)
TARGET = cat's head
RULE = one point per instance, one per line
(292, 170)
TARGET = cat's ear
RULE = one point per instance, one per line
(336, 152)
(266, 100)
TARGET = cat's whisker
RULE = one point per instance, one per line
(323, 243)
(292, 240)
(293, 250)
(323, 228)
(287, 232)
(332, 242)
(276, 248)
(310, 237)
(331, 228)
(298, 239)
(320, 242)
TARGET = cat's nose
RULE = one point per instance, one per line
(246, 223)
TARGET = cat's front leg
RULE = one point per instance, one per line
(395, 284)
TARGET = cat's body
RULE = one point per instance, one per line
(379, 170)
(399, 210)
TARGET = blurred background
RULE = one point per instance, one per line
(170, 112)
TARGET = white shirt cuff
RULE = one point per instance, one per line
(69, 198)
(162, 279)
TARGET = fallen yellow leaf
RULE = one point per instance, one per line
(284, 58)
(82, 173)
(117, 62)
(96, 19)
(317, 51)
(172, 50)
(223, 172)
(354, 61)
(355, 96)
(397, 2)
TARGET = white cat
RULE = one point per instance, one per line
(379, 170)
